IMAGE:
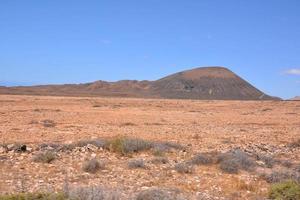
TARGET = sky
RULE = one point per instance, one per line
(72, 41)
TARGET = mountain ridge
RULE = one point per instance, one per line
(207, 83)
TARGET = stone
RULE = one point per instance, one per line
(91, 147)
(10, 147)
(2, 150)
(29, 149)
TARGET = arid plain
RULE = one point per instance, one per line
(263, 130)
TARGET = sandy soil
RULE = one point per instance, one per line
(201, 126)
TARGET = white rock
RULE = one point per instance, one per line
(29, 149)
(10, 146)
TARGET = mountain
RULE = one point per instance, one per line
(212, 83)
(297, 98)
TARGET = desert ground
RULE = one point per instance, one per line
(267, 131)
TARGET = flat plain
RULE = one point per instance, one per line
(258, 128)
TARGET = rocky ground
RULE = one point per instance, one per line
(265, 134)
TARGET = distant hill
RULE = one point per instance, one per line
(297, 98)
(211, 83)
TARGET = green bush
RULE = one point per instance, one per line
(288, 190)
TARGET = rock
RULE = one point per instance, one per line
(91, 147)
(3, 158)
(29, 149)
(2, 150)
(10, 147)
(20, 148)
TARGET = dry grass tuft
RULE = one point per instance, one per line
(93, 165)
(184, 168)
(154, 194)
(48, 123)
(44, 157)
(136, 163)
(160, 160)
(129, 145)
(202, 159)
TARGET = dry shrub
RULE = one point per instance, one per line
(166, 146)
(242, 185)
(100, 143)
(160, 160)
(129, 145)
(281, 175)
(234, 160)
(154, 194)
(34, 196)
(44, 157)
(93, 165)
(184, 168)
(136, 163)
(295, 144)
(128, 124)
(269, 161)
(230, 166)
(92, 193)
(48, 123)
(202, 159)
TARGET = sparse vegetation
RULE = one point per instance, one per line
(295, 144)
(100, 143)
(122, 145)
(93, 165)
(34, 196)
(168, 145)
(154, 194)
(136, 163)
(184, 168)
(288, 190)
(234, 160)
(269, 161)
(128, 124)
(50, 146)
(129, 145)
(281, 175)
(92, 193)
(44, 157)
(242, 185)
(48, 123)
(202, 159)
(230, 166)
(160, 160)
(158, 152)
(286, 163)
(266, 109)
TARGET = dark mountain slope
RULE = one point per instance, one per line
(207, 83)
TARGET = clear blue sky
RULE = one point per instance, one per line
(69, 41)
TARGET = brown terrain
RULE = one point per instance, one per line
(189, 140)
(210, 83)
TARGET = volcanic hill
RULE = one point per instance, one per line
(211, 83)
(296, 98)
